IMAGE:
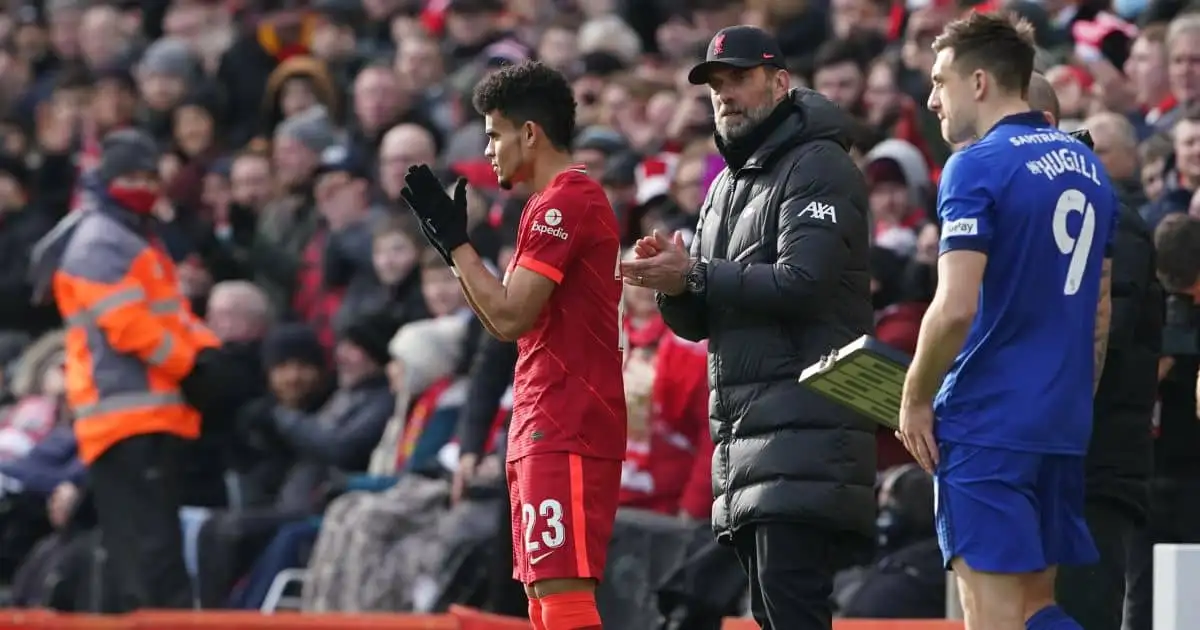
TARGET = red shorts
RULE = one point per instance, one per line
(563, 508)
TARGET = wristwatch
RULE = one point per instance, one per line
(696, 280)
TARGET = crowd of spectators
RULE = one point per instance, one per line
(367, 452)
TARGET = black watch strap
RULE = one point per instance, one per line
(697, 278)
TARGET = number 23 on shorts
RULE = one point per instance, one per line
(552, 535)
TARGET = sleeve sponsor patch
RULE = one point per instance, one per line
(818, 210)
(551, 224)
(960, 227)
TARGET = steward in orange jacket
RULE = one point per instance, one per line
(134, 359)
(131, 338)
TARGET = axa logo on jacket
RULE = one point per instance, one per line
(821, 211)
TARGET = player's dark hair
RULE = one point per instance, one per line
(1177, 240)
(531, 92)
(1000, 45)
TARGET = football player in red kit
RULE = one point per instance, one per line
(560, 301)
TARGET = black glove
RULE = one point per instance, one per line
(203, 385)
(434, 241)
(443, 220)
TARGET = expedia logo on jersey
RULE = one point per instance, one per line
(552, 231)
(552, 218)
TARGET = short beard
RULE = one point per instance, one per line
(751, 119)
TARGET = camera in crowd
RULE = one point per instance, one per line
(1177, 240)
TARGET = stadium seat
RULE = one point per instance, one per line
(275, 595)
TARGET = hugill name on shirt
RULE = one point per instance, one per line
(1064, 160)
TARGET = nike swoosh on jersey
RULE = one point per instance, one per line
(536, 559)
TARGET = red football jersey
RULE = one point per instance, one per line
(568, 392)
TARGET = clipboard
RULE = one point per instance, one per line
(866, 375)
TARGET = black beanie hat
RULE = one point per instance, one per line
(292, 342)
(372, 332)
(124, 152)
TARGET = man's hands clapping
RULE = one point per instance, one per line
(661, 263)
(443, 220)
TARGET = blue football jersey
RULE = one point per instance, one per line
(1040, 205)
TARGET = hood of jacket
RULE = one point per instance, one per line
(300, 67)
(47, 255)
(48, 252)
(37, 358)
(430, 349)
(821, 118)
(811, 117)
(908, 157)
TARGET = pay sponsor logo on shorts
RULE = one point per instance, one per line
(961, 227)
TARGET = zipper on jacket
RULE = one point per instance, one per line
(726, 442)
(723, 241)
(726, 432)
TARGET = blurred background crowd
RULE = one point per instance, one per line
(285, 129)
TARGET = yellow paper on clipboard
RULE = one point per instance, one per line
(866, 375)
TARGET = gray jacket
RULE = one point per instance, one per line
(338, 438)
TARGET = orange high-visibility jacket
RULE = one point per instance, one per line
(131, 338)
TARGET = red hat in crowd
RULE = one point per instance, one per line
(478, 173)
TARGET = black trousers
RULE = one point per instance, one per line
(134, 486)
(1174, 517)
(23, 523)
(1094, 595)
(506, 596)
(791, 567)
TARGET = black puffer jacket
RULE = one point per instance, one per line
(785, 238)
(1120, 457)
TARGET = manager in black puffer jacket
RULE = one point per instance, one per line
(778, 277)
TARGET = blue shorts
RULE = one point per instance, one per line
(1005, 511)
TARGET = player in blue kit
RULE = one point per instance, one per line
(998, 400)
